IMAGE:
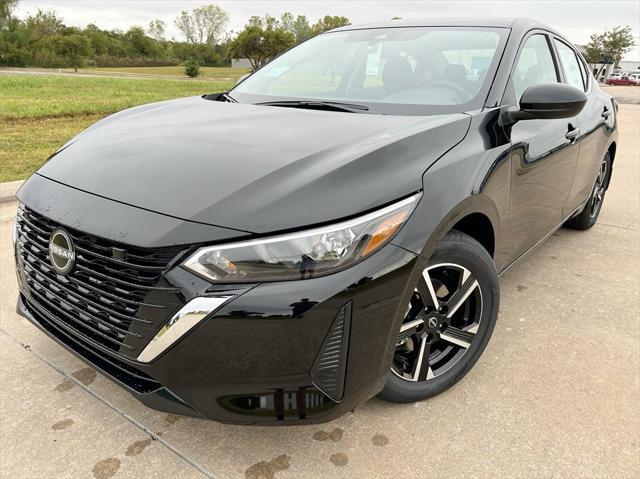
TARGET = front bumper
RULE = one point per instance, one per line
(256, 359)
(251, 361)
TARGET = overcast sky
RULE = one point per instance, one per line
(577, 19)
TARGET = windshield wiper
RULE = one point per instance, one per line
(318, 105)
(228, 98)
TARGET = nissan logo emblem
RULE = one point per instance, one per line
(61, 251)
(433, 322)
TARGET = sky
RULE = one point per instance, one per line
(576, 19)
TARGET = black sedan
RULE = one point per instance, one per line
(331, 229)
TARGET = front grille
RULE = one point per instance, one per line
(120, 371)
(114, 296)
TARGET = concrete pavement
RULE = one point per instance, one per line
(556, 394)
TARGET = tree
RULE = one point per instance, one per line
(206, 24)
(140, 45)
(594, 50)
(14, 44)
(157, 29)
(610, 46)
(44, 23)
(299, 26)
(6, 9)
(260, 41)
(211, 22)
(186, 25)
(286, 21)
(617, 42)
(72, 49)
(329, 22)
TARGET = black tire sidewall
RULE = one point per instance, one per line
(584, 220)
(460, 249)
(593, 219)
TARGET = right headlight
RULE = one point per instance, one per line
(305, 254)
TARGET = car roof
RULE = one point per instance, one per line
(494, 22)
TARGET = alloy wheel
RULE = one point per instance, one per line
(441, 323)
(597, 197)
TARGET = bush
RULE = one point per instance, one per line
(192, 67)
(114, 61)
(46, 59)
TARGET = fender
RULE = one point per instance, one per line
(480, 167)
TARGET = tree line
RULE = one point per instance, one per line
(43, 40)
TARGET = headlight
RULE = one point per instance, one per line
(305, 254)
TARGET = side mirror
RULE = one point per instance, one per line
(549, 101)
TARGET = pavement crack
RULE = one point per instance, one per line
(628, 227)
(201, 469)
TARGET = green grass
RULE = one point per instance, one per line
(56, 96)
(214, 73)
(26, 144)
(38, 114)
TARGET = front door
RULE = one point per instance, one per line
(544, 153)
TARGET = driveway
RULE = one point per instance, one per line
(556, 394)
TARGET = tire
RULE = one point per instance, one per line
(589, 215)
(465, 286)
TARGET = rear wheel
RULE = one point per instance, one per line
(448, 322)
(589, 215)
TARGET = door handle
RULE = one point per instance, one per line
(572, 134)
(606, 113)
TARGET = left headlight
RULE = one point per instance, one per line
(302, 255)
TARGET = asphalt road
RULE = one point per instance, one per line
(556, 394)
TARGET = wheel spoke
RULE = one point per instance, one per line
(425, 288)
(421, 368)
(603, 174)
(458, 336)
(461, 295)
(411, 325)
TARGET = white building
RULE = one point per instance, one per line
(630, 66)
(240, 63)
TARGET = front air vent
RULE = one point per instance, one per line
(329, 368)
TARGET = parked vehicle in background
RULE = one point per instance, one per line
(635, 78)
(329, 230)
(624, 80)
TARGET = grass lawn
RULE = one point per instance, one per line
(38, 114)
(25, 144)
(214, 73)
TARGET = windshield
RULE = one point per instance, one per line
(406, 70)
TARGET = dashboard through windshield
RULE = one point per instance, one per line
(401, 70)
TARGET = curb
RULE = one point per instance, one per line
(8, 190)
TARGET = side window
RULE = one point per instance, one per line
(534, 66)
(569, 61)
(585, 73)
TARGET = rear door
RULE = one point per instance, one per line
(593, 120)
(544, 153)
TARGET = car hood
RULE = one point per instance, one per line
(253, 168)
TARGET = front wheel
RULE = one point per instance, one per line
(448, 323)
